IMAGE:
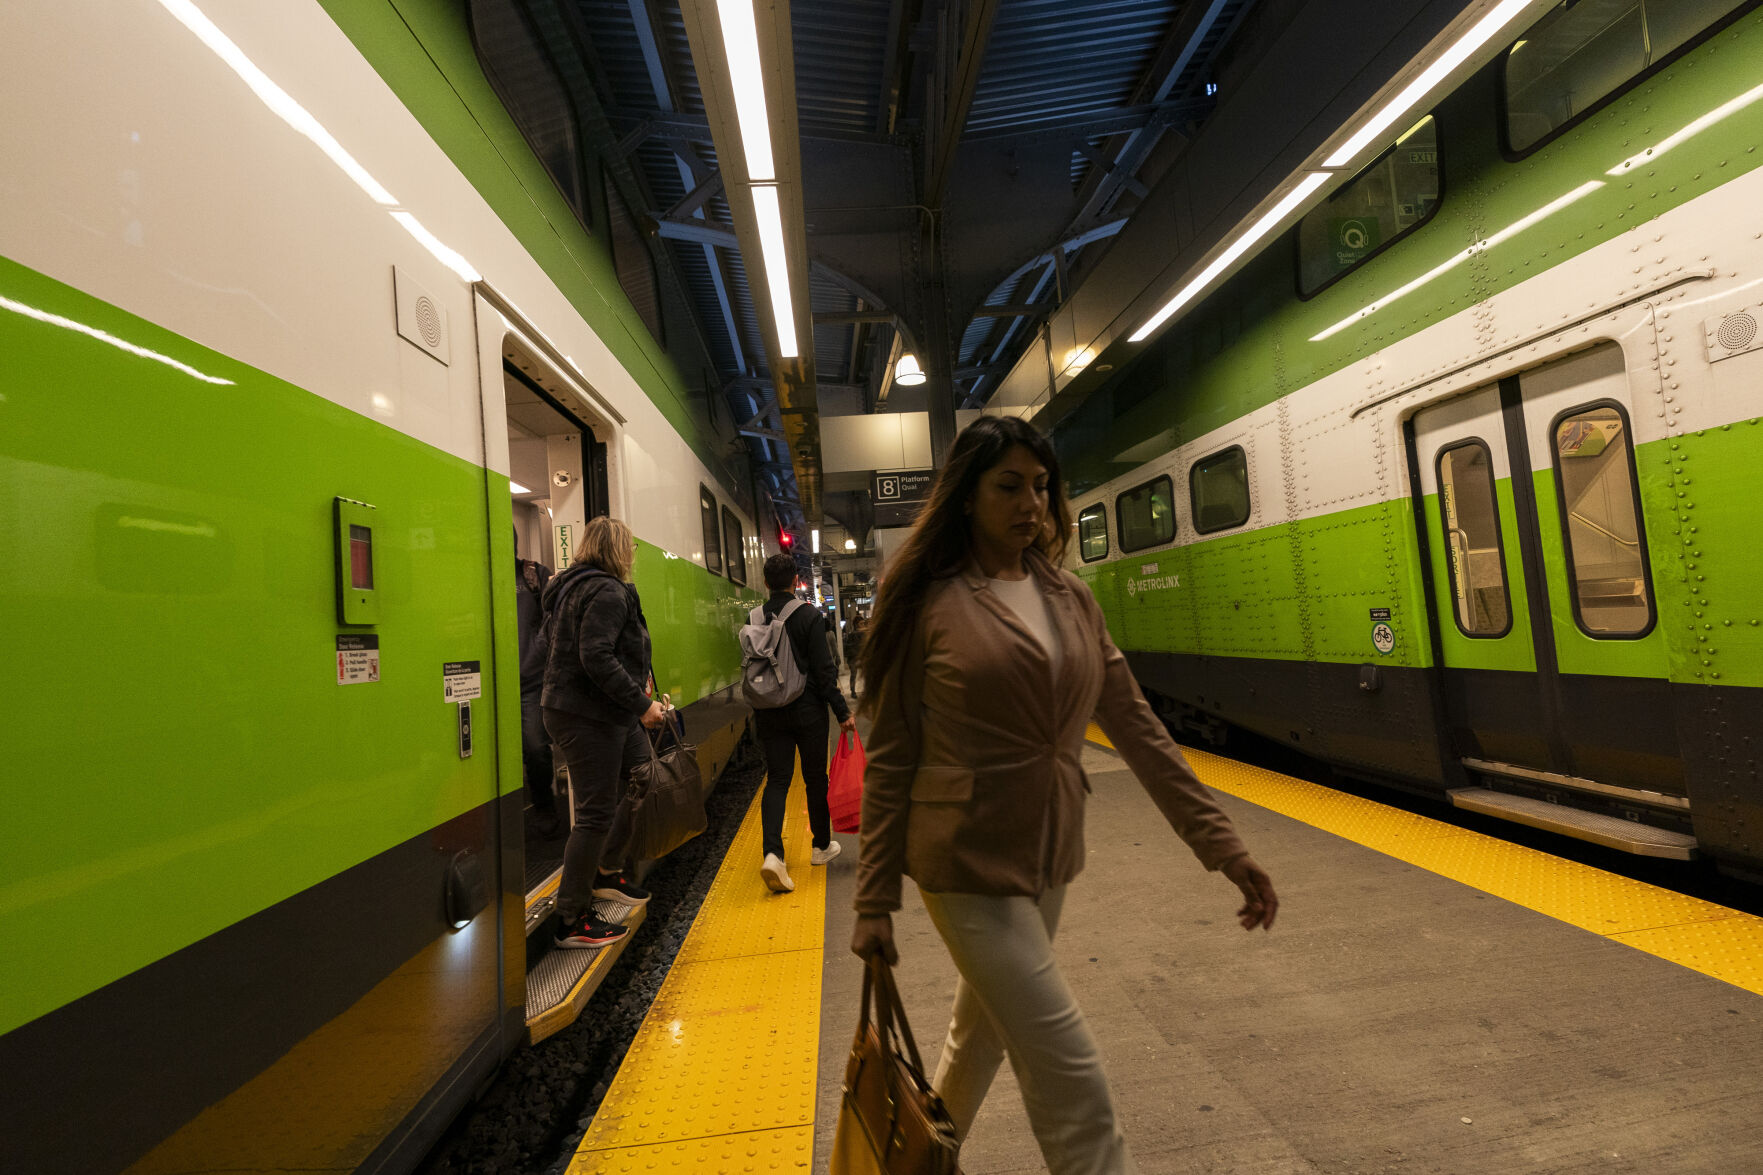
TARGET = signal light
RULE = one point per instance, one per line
(786, 539)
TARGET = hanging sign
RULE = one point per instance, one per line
(898, 494)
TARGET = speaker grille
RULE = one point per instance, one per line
(428, 321)
(1737, 331)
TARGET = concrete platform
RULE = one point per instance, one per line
(1395, 1020)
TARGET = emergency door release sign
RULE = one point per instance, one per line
(358, 659)
(461, 681)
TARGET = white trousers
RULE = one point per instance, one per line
(1011, 998)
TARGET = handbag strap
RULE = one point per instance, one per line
(890, 1012)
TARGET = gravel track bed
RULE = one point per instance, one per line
(533, 1116)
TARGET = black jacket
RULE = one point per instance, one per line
(529, 580)
(807, 630)
(597, 655)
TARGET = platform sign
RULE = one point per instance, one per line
(358, 658)
(461, 681)
(898, 494)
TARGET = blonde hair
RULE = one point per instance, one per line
(606, 544)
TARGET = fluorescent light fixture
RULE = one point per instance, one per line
(740, 43)
(777, 270)
(1459, 258)
(515, 487)
(106, 337)
(907, 372)
(274, 97)
(1695, 128)
(1479, 34)
(814, 539)
(1237, 248)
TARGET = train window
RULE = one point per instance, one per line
(1389, 199)
(631, 258)
(1580, 56)
(1092, 533)
(1601, 516)
(1474, 554)
(532, 90)
(734, 546)
(712, 531)
(1146, 514)
(1218, 490)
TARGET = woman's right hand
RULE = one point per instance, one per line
(874, 932)
(654, 716)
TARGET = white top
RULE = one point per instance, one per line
(1023, 597)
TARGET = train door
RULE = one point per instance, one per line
(1552, 663)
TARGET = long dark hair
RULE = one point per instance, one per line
(940, 544)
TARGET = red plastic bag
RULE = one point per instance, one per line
(844, 783)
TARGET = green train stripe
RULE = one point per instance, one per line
(1239, 595)
(183, 752)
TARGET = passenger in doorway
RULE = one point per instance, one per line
(530, 578)
(985, 663)
(798, 727)
(595, 709)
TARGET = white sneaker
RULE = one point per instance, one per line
(777, 878)
(822, 856)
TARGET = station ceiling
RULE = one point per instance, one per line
(964, 166)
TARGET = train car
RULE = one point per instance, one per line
(289, 311)
(1453, 487)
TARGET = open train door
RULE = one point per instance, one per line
(1554, 671)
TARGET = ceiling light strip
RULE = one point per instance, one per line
(1238, 247)
(740, 43)
(777, 268)
(1479, 34)
(1372, 131)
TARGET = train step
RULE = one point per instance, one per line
(1611, 831)
(561, 982)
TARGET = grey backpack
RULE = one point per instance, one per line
(770, 677)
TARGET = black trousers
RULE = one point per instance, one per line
(784, 734)
(535, 754)
(600, 757)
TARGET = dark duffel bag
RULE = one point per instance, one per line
(664, 800)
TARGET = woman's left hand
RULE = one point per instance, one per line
(1260, 903)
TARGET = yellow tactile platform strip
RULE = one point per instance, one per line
(1726, 944)
(722, 1074)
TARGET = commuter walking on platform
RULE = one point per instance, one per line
(595, 708)
(985, 663)
(798, 726)
(854, 646)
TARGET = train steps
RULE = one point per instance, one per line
(1610, 831)
(560, 982)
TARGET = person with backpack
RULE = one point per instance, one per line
(789, 678)
(595, 706)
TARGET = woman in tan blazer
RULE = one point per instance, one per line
(984, 663)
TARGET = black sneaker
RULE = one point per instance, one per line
(590, 931)
(616, 887)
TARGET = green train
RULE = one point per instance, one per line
(1454, 485)
(295, 341)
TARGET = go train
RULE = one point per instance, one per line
(1455, 486)
(281, 315)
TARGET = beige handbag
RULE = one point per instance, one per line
(890, 1120)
